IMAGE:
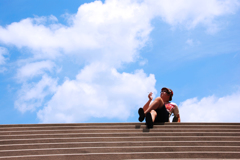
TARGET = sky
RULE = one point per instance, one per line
(86, 61)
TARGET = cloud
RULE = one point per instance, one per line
(113, 31)
(191, 42)
(211, 109)
(31, 95)
(3, 52)
(192, 13)
(98, 91)
(115, 27)
(31, 70)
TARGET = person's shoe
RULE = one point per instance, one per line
(141, 114)
(149, 121)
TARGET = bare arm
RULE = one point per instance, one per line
(146, 106)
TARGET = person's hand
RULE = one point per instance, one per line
(150, 96)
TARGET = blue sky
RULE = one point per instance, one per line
(95, 61)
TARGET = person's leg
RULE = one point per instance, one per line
(142, 111)
(150, 118)
(157, 103)
(145, 107)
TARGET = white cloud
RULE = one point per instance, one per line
(142, 62)
(192, 13)
(98, 91)
(110, 32)
(113, 30)
(3, 52)
(31, 95)
(31, 70)
(211, 109)
(191, 42)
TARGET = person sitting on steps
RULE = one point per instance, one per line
(160, 109)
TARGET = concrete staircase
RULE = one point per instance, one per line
(120, 141)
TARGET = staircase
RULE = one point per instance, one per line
(120, 141)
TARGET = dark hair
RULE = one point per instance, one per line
(169, 91)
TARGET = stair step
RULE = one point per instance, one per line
(128, 155)
(110, 130)
(118, 143)
(114, 149)
(123, 134)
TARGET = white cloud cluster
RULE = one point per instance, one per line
(98, 91)
(103, 36)
(122, 27)
(110, 32)
(211, 109)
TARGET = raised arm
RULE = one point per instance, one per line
(146, 106)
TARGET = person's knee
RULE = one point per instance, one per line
(153, 113)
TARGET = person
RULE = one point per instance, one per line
(160, 109)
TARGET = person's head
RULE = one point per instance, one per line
(166, 93)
